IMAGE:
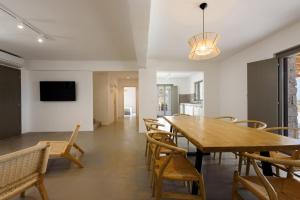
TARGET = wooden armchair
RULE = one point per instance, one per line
(229, 119)
(23, 169)
(268, 188)
(252, 124)
(151, 125)
(163, 136)
(62, 149)
(289, 155)
(174, 166)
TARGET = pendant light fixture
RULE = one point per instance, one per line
(204, 45)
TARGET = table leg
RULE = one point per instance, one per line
(198, 166)
(266, 167)
(171, 128)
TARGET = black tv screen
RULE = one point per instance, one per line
(57, 91)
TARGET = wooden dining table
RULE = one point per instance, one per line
(213, 135)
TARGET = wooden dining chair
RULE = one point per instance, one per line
(267, 188)
(229, 119)
(22, 170)
(252, 124)
(151, 124)
(158, 135)
(62, 149)
(289, 155)
(178, 134)
(174, 166)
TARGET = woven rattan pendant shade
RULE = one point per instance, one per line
(204, 45)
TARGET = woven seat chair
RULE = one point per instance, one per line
(173, 166)
(229, 119)
(62, 149)
(289, 155)
(23, 169)
(267, 188)
(251, 124)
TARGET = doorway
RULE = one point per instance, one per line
(129, 101)
(290, 90)
(10, 102)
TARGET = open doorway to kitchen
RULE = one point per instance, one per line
(129, 101)
(180, 92)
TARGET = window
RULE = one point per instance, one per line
(198, 95)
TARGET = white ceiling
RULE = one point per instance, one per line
(80, 29)
(239, 22)
(117, 30)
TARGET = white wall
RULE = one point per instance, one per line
(40, 116)
(100, 97)
(233, 71)
(147, 96)
(26, 92)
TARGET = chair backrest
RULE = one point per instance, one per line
(162, 144)
(153, 126)
(252, 124)
(227, 118)
(281, 130)
(74, 135)
(268, 186)
(21, 167)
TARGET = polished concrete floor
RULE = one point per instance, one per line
(114, 167)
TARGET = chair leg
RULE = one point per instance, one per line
(188, 145)
(240, 163)
(74, 160)
(214, 157)
(247, 167)
(235, 194)
(42, 189)
(146, 150)
(220, 157)
(277, 171)
(78, 148)
(153, 186)
(201, 188)
(158, 189)
(22, 195)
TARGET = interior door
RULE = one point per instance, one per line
(263, 101)
(10, 102)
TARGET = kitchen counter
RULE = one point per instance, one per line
(193, 109)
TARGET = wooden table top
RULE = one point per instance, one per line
(212, 135)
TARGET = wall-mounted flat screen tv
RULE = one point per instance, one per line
(57, 91)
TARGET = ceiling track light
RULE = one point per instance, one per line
(22, 23)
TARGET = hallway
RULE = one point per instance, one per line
(114, 167)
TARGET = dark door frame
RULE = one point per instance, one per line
(283, 84)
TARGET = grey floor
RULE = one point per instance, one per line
(114, 167)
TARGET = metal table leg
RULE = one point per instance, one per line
(266, 167)
(198, 165)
